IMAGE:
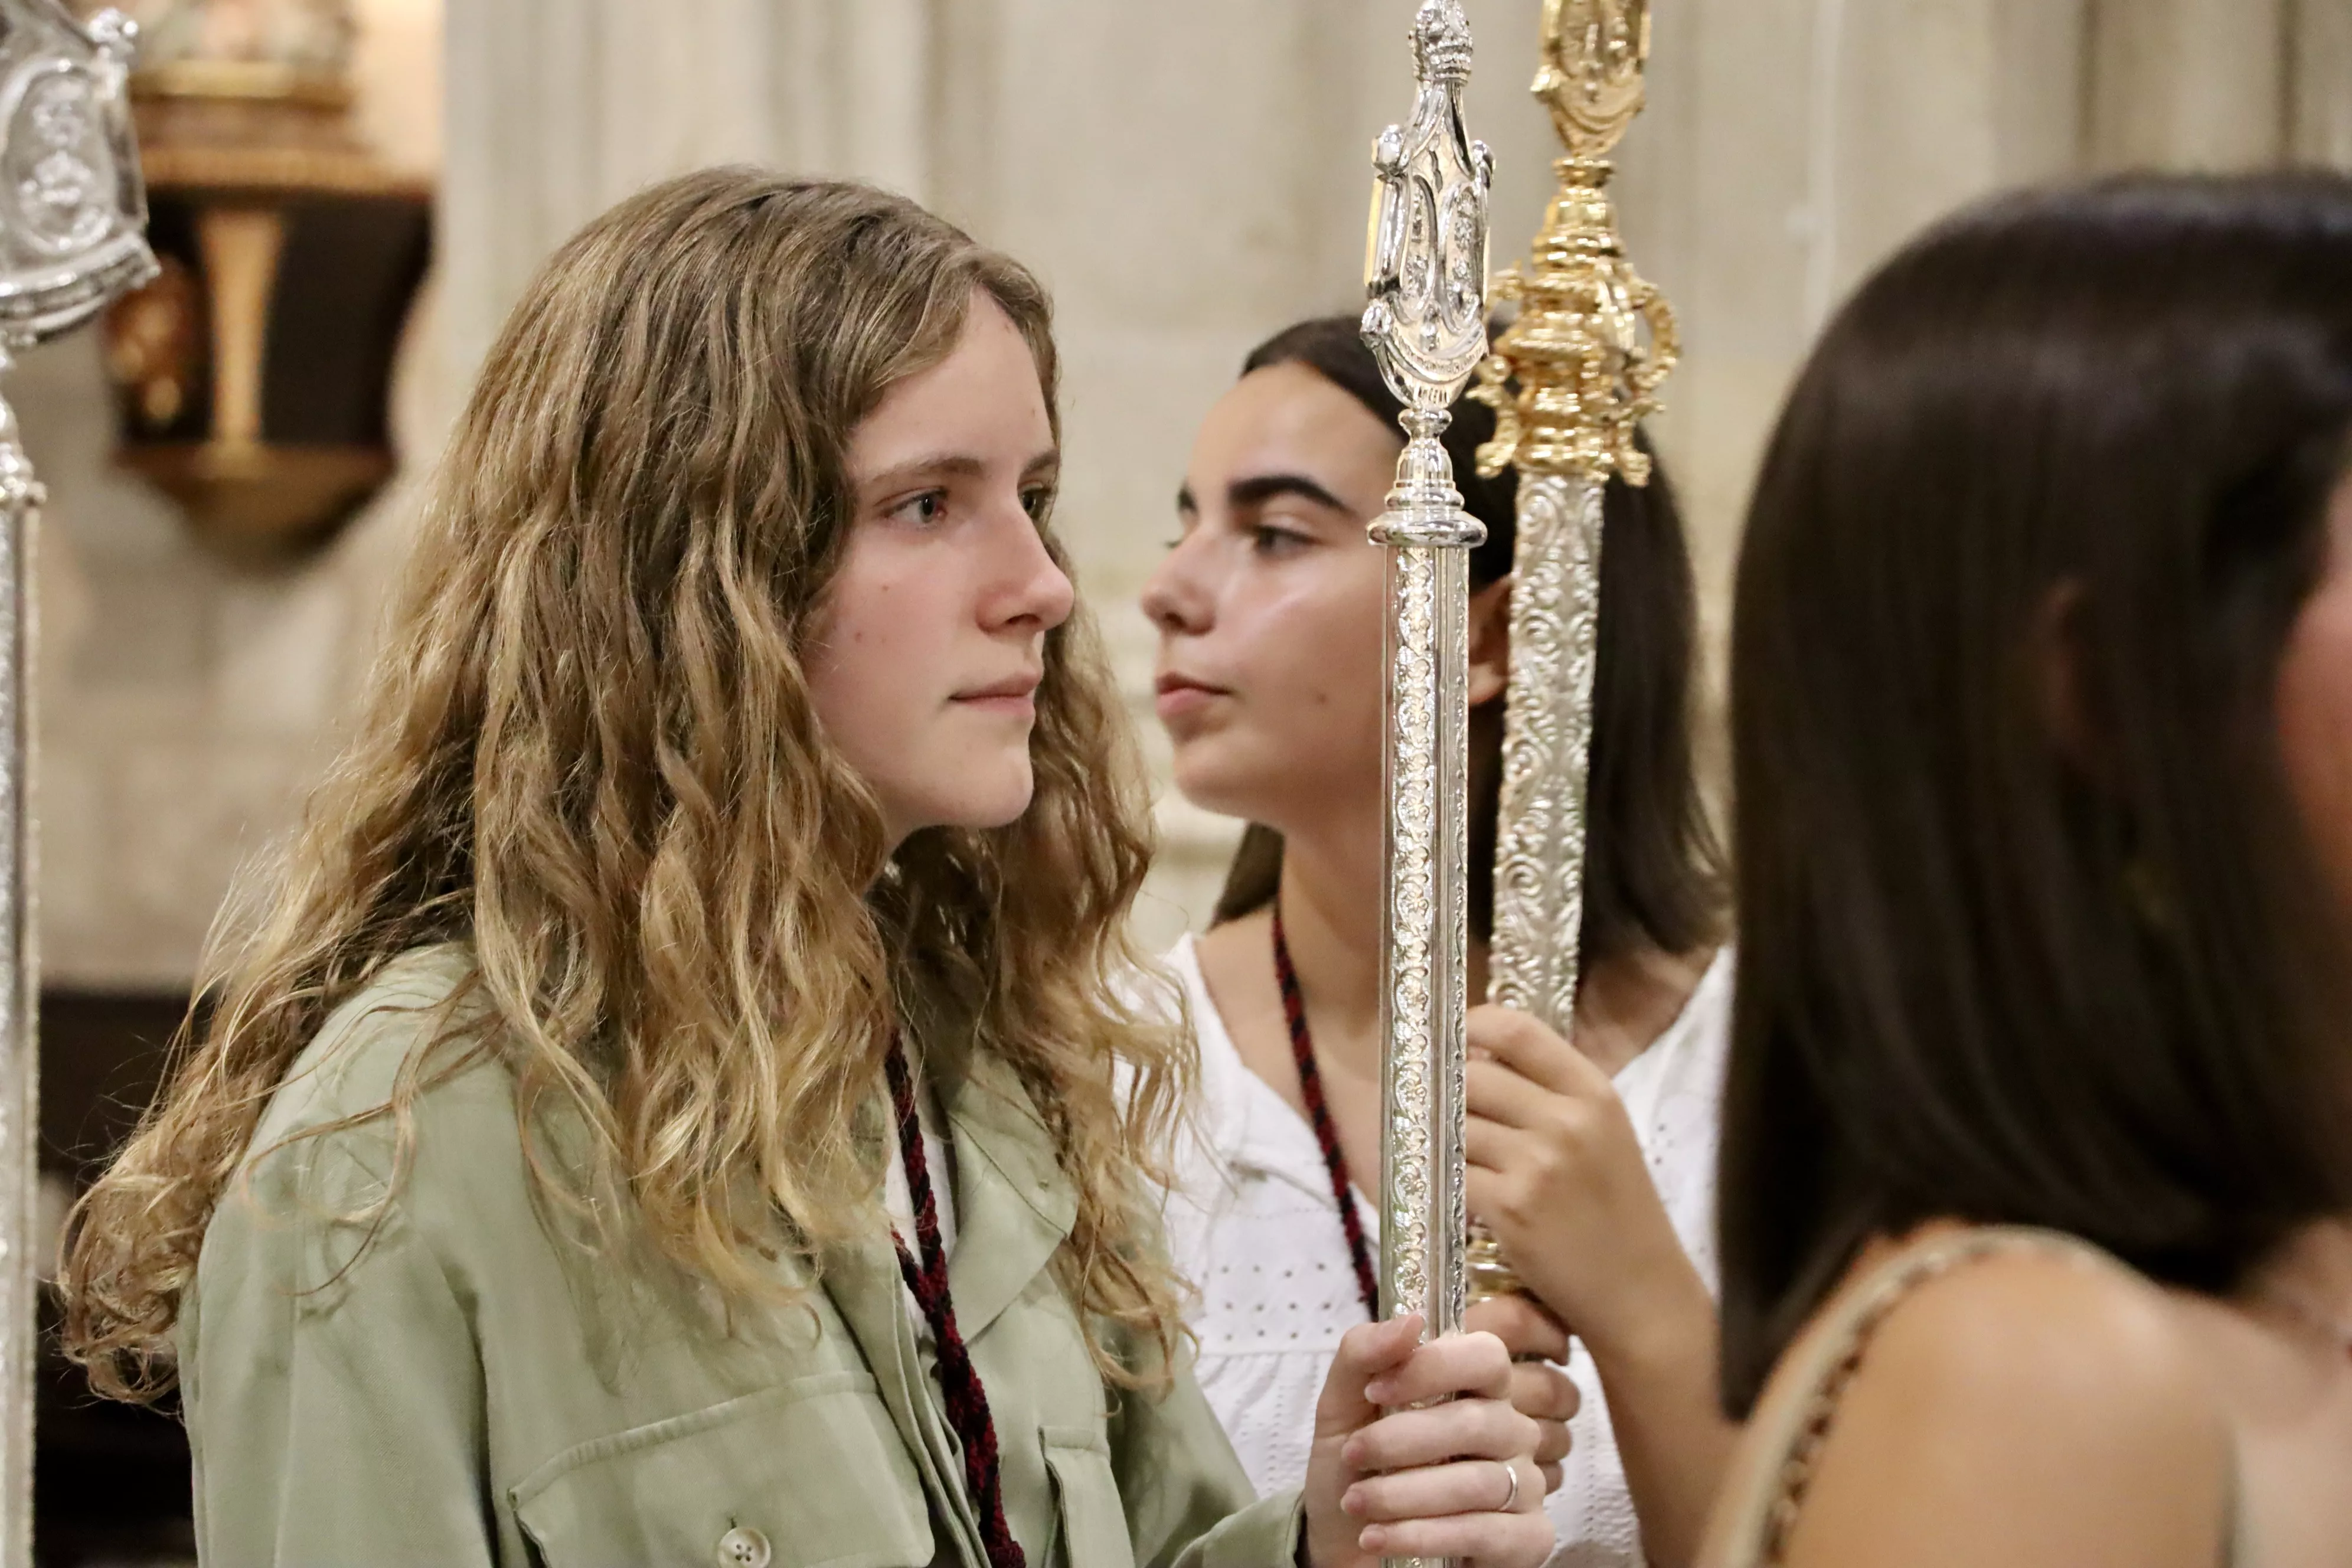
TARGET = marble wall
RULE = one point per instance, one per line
(1186, 178)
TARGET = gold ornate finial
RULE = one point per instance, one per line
(1578, 369)
(1593, 52)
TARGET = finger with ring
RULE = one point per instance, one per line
(1462, 1488)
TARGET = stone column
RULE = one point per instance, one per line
(2188, 84)
(2319, 82)
(556, 109)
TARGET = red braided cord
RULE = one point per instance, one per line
(967, 1401)
(1310, 1089)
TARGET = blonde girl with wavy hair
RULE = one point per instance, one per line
(667, 1114)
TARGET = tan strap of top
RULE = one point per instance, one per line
(1788, 1436)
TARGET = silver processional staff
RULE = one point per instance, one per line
(1426, 276)
(73, 219)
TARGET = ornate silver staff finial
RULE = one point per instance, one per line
(1571, 381)
(72, 222)
(1426, 276)
(1441, 47)
(73, 214)
(1425, 273)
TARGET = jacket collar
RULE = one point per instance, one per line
(1014, 1205)
(1015, 1208)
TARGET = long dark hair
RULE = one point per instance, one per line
(2002, 961)
(1651, 868)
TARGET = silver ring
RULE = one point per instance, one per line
(1510, 1503)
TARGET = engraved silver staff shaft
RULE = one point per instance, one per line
(1547, 747)
(72, 217)
(1426, 323)
(1571, 379)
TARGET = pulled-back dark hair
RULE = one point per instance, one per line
(1652, 869)
(2006, 957)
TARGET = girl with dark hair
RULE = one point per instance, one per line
(2037, 1160)
(1594, 1163)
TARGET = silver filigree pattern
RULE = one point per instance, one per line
(1413, 699)
(1547, 748)
(1426, 322)
(1424, 983)
(73, 217)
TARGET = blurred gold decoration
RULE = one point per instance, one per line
(1591, 78)
(1570, 380)
(255, 372)
(154, 345)
(1579, 367)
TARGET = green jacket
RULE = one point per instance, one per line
(470, 1389)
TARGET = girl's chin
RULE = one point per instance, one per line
(978, 804)
(982, 817)
(1263, 780)
(1221, 794)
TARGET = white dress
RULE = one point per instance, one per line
(1254, 1227)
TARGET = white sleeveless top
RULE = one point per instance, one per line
(1254, 1227)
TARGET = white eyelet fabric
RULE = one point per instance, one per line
(1254, 1227)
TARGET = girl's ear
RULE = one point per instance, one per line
(1490, 641)
(2069, 710)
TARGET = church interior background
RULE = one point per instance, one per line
(1185, 177)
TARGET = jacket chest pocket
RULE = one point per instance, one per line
(1086, 1499)
(809, 1475)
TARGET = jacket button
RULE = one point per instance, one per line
(743, 1547)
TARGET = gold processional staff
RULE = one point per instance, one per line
(1570, 379)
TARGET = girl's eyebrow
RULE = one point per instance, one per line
(954, 465)
(930, 466)
(1260, 489)
(1263, 487)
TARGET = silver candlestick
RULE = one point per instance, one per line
(73, 217)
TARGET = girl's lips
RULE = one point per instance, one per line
(1014, 695)
(1025, 704)
(1178, 698)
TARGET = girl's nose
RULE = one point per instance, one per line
(1039, 591)
(1175, 598)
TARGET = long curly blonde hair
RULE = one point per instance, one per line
(590, 754)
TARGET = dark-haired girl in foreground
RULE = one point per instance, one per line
(2036, 1168)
